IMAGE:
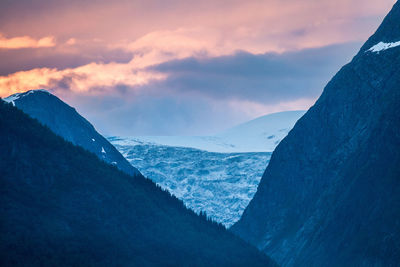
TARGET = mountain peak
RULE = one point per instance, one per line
(16, 96)
(66, 122)
(388, 32)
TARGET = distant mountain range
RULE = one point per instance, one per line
(66, 122)
(60, 205)
(330, 195)
(262, 134)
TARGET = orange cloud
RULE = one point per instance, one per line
(200, 41)
(26, 42)
(90, 79)
(71, 41)
(151, 49)
(154, 36)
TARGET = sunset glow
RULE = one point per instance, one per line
(151, 51)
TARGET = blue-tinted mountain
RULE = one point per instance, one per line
(66, 122)
(330, 195)
(60, 205)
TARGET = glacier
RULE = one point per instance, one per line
(217, 174)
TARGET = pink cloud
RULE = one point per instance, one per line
(26, 42)
(156, 31)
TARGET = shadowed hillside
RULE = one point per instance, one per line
(62, 206)
(330, 195)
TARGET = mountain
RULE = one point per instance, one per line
(60, 205)
(219, 183)
(66, 122)
(262, 134)
(330, 195)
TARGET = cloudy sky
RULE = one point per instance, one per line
(180, 67)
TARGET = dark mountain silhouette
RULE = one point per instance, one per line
(60, 205)
(330, 195)
(66, 122)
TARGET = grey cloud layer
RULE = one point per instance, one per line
(30, 58)
(197, 97)
(267, 78)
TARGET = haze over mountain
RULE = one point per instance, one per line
(330, 195)
(63, 206)
(216, 174)
(66, 122)
(262, 134)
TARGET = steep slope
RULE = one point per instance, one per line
(67, 123)
(330, 195)
(62, 206)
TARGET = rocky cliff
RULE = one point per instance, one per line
(330, 195)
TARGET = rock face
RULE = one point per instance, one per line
(62, 206)
(66, 122)
(330, 195)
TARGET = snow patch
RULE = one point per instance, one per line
(381, 46)
(12, 98)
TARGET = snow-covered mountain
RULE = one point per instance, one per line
(217, 174)
(262, 134)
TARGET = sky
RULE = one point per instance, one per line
(180, 67)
